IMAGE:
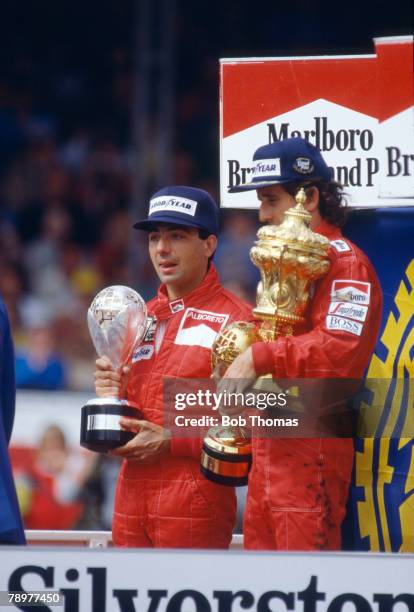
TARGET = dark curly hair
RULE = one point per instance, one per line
(332, 199)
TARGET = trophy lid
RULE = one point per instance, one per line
(294, 231)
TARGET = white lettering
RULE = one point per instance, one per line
(198, 316)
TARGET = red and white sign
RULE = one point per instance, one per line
(358, 110)
(396, 116)
(200, 327)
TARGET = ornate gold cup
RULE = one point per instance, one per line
(290, 257)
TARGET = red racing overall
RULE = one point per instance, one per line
(169, 503)
(298, 488)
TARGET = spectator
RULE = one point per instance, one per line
(233, 252)
(50, 482)
(39, 366)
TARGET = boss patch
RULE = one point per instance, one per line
(342, 324)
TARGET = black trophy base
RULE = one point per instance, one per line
(231, 470)
(228, 481)
(100, 429)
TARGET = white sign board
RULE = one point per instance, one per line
(358, 110)
(201, 581)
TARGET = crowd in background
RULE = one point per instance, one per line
(65, 233)
(66, 173)
(67, 152)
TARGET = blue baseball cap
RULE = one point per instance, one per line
(181, 205)
(285, 161)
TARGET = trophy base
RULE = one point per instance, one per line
(226, 462)
(100, 428)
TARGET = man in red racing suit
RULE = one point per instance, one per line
(162, 499)
(298, 488)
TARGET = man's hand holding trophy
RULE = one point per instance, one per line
(226, 454)
(290, 258)
(117, 321)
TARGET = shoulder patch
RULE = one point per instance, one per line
(349, 310)
(344, 325)
(200, 327)
(341, 246)
(353, 291)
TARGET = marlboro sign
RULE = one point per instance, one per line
(358, 110)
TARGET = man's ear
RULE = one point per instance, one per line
(312, 199)
(210, 244)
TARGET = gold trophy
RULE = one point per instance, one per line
(290, 256)
(226, 456)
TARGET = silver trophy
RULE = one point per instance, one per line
(117, 321)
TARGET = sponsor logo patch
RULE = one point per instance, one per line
(172, 203)
(266, 167)
(351, 311)
(340, 245)
(342, 324)
(353, 291)
(151, 326)
(176, 306)
(303, 165)
(200, 327)
(145, 351)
